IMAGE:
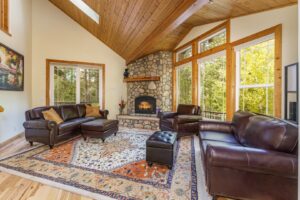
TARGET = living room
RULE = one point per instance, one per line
(185, 99)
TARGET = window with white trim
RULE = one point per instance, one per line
(184, 53)
(74, 83)
(255, 63)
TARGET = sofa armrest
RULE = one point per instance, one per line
(104, 113)
(254, 160)
(219, 126)
(39, 124)
(164, 115)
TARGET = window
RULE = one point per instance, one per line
(75, 83)
(184, 84)
(214, 40)
(183, 54)
(86, 9)
(255, 76)
(4, 16)
(212, 86)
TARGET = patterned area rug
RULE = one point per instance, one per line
(113, 169)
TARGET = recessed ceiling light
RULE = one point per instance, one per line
(87, 10)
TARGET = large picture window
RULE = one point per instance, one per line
(212, 86)
(255, 76)
(184, 84)
(76, 83)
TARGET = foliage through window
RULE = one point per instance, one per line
(75, 84)
(4, 21)
(213, 41)
(255, 79)
(184, 84)
(212, 87)
(183, 54)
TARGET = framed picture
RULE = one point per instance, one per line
(291, 92)
(11, 69)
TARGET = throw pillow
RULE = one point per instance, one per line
(52, 115)
(92, 111)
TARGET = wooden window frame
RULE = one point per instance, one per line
(95, 65)
(231, 65)
(4, 16)
(277, 31)
(195, 56)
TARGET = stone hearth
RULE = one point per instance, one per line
(137, 121)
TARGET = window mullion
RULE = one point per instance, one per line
(77, 85)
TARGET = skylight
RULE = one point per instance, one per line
(87, 10)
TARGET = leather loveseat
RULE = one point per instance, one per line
(185, 121)
(253, 157)
(37, 129)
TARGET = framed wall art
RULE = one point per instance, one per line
(11, 69)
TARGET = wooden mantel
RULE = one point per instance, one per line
(142, 78)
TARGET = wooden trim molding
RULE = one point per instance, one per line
(4, 16)
(277, 31)
(96, 65)
(231, 65)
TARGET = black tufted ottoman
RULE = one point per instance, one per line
(161, 148)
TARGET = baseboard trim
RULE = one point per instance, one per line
(10, 140)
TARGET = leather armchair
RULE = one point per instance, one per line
(184, 121)
(252, 157)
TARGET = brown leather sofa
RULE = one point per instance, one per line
(253, 157)
(185, 121)
(37, 129)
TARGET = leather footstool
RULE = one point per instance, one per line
(100, 128)
(161, 148)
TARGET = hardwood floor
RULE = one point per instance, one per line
(17, 188)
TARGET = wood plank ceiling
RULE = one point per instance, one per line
(135, 28)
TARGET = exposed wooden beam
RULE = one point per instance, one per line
(184, 11)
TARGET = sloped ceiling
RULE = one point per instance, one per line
(134, 28)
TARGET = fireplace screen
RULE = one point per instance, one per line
(145, 105)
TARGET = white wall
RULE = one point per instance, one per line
(57, 36)
(247, 25)
(15, 103)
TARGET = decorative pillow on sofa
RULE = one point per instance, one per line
(92, 111)
(52, 115)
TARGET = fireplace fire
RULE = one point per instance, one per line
(145, 105)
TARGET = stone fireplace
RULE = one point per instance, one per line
(157, 64)
(145, 97)
(145, 105)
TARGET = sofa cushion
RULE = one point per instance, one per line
(99, 125)
(81, 110)
(69, 112)
(37, 113)
(206, 143)
(239, 122)
(270, 133)
(72, 125)
(218, 136)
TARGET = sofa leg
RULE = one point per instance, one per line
(31, 143)
(115, 133)
(103, 140)
(51, 146)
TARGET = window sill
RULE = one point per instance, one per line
(5, 31)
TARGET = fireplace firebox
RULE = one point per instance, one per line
(145, 105)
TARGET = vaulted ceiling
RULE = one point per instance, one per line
(134, 28)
